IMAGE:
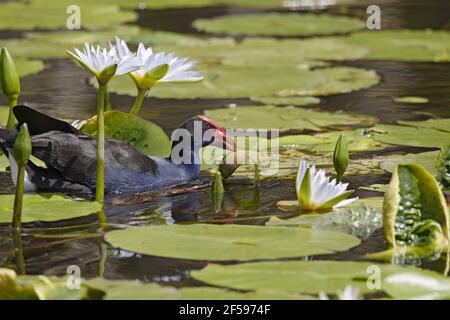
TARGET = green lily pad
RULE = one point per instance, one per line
(413, 100)
(304, 277)
(359, 221)
(229, 242)
(46, 207)
(443, 168)
(403, 45)
(282, 118)
(326, 142)
(45, 14)
(438, 124)
(132, 290)
(224, 81)
(287, 101)
(279, 24)
(417, 285)
(29, 67)
(375, 187)
(425, 159)
(410, 136)
(210, 293)
(142, 134)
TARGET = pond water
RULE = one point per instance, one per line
(50, 247)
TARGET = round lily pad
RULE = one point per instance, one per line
(310, 277)
(279, 24)
(229, 242)
(132, 290)
(326, 142)
(438, 124)
(412, 100)
(283, 118)
(404, 45)
(211, 293)
(410, 136)
(144, 135)
(47, 14)
(46, 207)
(425, 159)
(237, 82)
(287, 101)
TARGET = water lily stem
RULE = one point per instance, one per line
(18, 199)
(108, 106)
(11, 119)
(100, 178)
(339, 177)
(142, 93)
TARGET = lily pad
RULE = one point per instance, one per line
(403, 45)
(287, 101)
(46, 207)
(229, 242)
(225, 81)
(132, 290)
(410, 136)
(142, 134)
(326, 142)
(279, 24)
(438, 124)
(310, 277)
(425, 159)
(417, 285)
(359, 221)
(413, 100)
(283, 118)
(29, 67)
(45, 14)
(210, 293)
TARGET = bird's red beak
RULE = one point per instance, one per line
(223, 140)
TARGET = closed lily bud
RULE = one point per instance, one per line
(9, 77)
(340, 157)
(218, 183)
(22, 146)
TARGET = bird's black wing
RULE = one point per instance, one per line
(75, 156)
(39, 123)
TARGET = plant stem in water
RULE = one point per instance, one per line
(17, 222)
(142, 93)
(11, 119)
(100, 178)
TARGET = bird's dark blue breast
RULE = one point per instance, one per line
(121, 180)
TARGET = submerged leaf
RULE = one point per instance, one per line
(229, 242)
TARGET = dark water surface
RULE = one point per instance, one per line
(50, 247)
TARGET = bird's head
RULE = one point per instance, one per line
(203, 132)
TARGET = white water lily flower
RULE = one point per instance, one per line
(349, 293)
(316, 192)
(103, 63)
(158, 67)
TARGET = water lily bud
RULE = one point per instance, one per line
(22, 146)
(9, 77)
(340, 157)
(218, 183)
(153, 76)
(107, 74)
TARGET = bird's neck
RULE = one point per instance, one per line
(187, 159)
